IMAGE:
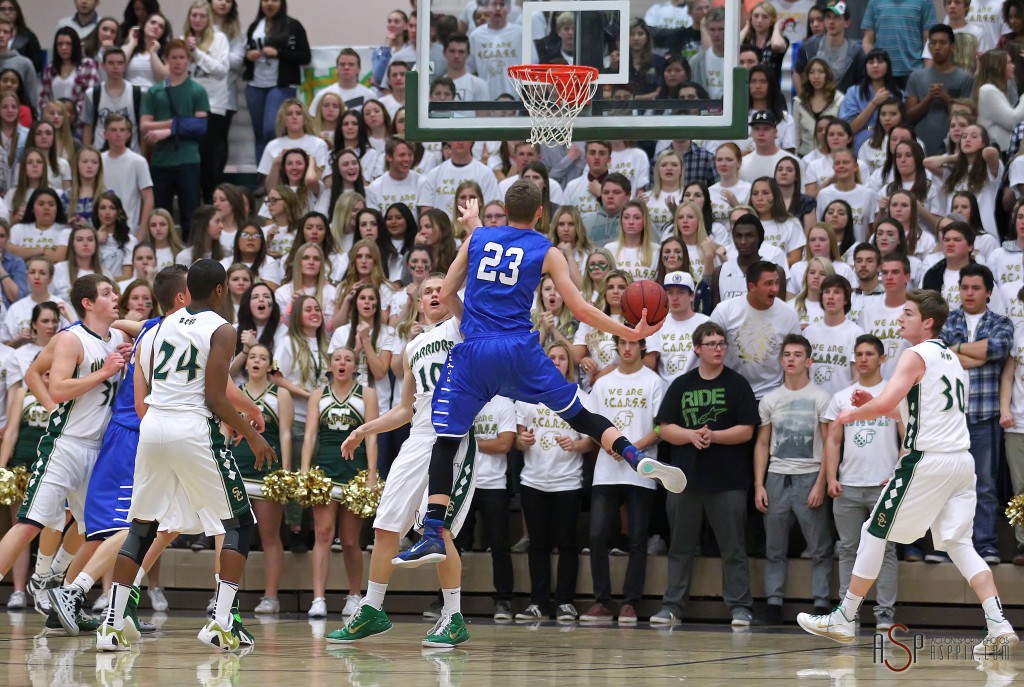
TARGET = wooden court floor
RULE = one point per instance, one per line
(291, 651)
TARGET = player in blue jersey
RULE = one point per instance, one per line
(501, 267)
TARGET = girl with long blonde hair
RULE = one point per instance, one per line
(86, 183)
(343, 219)
(808, 301)
(163, 234)
(666, 191)
(551, 317)
(703, 253)
(569, 235)
(308, 277)
(821, 243)
(635, 249)
(598, 264)
(364, 267)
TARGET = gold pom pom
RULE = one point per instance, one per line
(279, 486)
(314, 489)
(1015, 510)
(23, 475)
(8, 487)
(360, 499)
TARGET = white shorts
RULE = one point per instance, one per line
(182, 519)
(183, 454)
(60, 477)
(403, 504)
(927, 491)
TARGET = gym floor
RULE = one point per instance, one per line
(291, 648)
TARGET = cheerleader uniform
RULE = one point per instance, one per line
(338, 417)
(244, 457)
(34, 418)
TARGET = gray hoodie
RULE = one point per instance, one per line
(12, 59)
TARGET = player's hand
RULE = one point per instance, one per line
(264, 455)
(761, 499)
(470, 215)
(527, 438)
(642, 329)
(817, 495)
(860, 397)
(834, 488)
(351, 443)
(125, 349)
(565, 443)
(113, 364)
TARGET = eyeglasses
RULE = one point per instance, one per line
(597, 266)
(271, 199)
(247, 235)
(716, 346)
(495, 216)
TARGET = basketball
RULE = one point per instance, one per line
(644, 294)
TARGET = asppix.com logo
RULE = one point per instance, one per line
(898, 648)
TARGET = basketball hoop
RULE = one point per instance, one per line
(554, 94)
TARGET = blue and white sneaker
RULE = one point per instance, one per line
(429, 549)
(672, 478)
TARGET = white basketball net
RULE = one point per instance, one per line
(554, 100)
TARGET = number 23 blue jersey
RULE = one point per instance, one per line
(502, 276)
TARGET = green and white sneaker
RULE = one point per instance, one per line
(87, 623)
(109, 639)
(449, 631)
(219, 638)
(245, 637)
(132, 629)
(366, 622)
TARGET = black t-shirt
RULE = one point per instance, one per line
(726, 401)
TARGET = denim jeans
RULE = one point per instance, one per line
(263, 105)
(604, 523)
(181, 181)
(985, 441)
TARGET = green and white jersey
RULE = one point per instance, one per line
(935, 407)
(85, 418)
(427, 355)
(173, 357)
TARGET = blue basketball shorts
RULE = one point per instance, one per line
(110, 487)
(513, 366)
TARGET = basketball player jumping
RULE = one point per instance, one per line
(502, 356)
(932, 486)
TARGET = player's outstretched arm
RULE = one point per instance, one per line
(556, 266)
(909, 370)
(222, 347)
(399, 415)
(454, 280)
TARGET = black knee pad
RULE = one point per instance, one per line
(238, 534)
(141, 536)
(589, 424)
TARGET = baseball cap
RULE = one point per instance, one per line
(838, 8)
(680, 279)
(763, 117)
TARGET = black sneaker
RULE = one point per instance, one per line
(503, 611)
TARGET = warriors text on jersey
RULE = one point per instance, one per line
(85, 418)
(178, 349)
(427, 354)
(935, 410)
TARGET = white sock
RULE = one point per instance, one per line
(850, 605)
(452, 600)
(138, 577)
(119, 594)
(84, 582)
(62, 561)
(225, 599)
(43, 564)
(375, 592)
(993, 611)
